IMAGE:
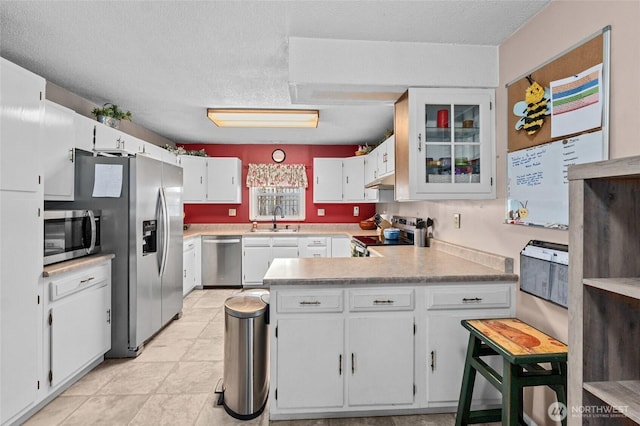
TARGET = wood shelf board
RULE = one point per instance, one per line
(622, 167)
(626, 286)
(625, 393)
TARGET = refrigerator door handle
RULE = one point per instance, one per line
(165, 231)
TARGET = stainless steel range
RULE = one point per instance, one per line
(407, 227)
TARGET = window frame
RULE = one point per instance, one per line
(300, 195)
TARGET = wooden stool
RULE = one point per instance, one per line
(522, 348)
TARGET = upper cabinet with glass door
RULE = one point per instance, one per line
(445, 144)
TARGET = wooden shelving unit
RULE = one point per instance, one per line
(604, 293)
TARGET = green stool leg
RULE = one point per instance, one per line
(468, 380)
(511, 394)
(561, 390)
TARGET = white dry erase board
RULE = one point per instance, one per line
(537, 186)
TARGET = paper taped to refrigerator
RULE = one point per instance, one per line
(107, 180)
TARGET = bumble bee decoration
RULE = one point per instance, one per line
(534, 108)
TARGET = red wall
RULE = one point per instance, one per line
(296, 154)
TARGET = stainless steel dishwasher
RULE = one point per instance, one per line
(221, 261)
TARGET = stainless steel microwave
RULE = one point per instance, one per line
(70, 233)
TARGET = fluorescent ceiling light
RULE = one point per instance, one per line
(263, 117)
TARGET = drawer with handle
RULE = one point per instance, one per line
(75, 282)
(470, 297)
(315, 241)
(310, 301)
(381, 300)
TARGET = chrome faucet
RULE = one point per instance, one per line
(275, 209)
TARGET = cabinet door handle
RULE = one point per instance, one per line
(433, 360)
(353, 363)
(184, 273)
(108, 316)
(71, 156)
(340, 365)
(315, 302)
(233, 181)
(471, 299)
(87, 280)
(419, 142)
(317, 179)
(383, 302)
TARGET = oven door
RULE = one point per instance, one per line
(70, 233)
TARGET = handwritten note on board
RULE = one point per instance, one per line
(537, 185)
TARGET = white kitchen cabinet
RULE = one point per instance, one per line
(381, 349)
(310, 363)
(154, 151)
(341, 180)
(85, 129)
(20, 128)
(21, 227)
(353, 179)
(319, 246)
(21, 306)
(327, 180)
(194, 175)
(447, 340)
(385, 158)
(224, 176)
(367, 351)
(189, 266)
(64, 132)
(445, 144)
(259, 252)
(108, 139)
(340, 246)
(169, 157)
(211, 180)
(380, 164)
(78, 318)
(256, 258)
(381, 359)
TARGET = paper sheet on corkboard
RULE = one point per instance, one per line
(577, 60)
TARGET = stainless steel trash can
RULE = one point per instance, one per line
(246, 351)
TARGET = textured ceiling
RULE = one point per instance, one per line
(167, 61)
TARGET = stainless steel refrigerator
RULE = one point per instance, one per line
(141, 203)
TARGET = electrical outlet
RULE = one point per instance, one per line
(356, 211)
(456, 220)
(320, 212)
(232, 212)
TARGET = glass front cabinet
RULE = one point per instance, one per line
(445, 144)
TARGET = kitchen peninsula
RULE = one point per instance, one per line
(380, 335)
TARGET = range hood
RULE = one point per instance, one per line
(387, 182)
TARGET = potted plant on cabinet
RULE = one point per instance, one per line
(111, 115)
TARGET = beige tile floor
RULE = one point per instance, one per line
(172, 382)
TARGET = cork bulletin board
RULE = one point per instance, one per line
(537, 187)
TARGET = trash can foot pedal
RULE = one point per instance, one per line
(220, 391)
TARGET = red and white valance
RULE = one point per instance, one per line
(277, 175)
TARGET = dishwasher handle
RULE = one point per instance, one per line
(225, 241)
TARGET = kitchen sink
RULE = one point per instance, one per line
(277, 230)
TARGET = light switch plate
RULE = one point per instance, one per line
(320, 212)
(356, 210)
(232, 212)
(456, 220)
